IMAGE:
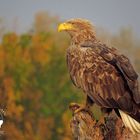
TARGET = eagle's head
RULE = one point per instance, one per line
(79, 29)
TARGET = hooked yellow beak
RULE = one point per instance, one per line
(65, 26)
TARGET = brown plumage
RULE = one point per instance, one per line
(105, 76)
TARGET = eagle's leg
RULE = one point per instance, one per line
(106, 112)
(89, 102)
(85, 107)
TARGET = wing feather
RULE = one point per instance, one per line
(122, 65)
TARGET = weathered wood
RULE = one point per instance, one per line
(85, 127)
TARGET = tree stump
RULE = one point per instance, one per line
(85, 127)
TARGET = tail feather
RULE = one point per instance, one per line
(129, 122)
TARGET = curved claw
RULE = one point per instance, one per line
(76, 108)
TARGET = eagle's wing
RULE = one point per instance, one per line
(121, 63)
(124, 66)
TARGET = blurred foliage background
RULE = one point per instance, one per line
(35, 88)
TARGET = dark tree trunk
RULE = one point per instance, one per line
(85, 127)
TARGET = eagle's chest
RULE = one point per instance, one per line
(84, 65)
(84, 58)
